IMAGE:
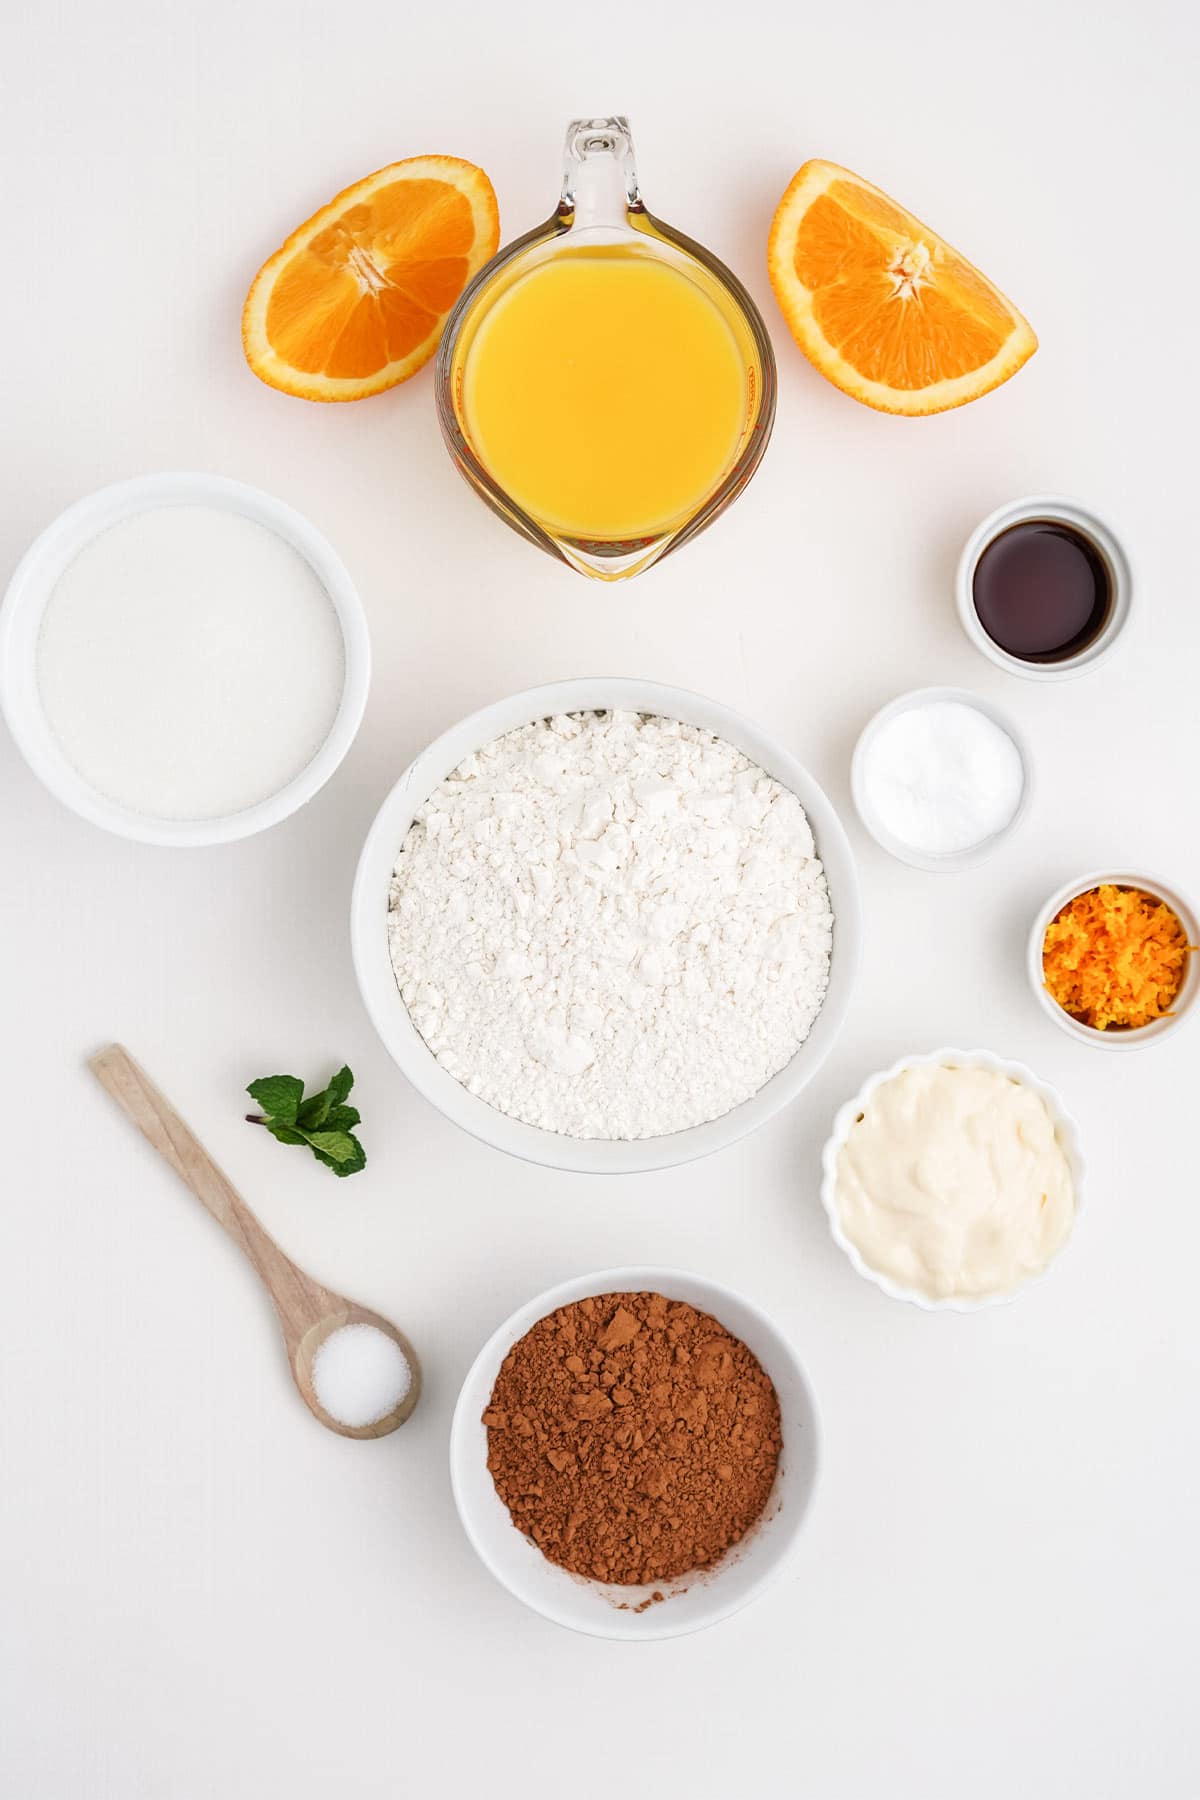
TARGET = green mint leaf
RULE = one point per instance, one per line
(340, 1086)
(317, 1108)
(341, 1165)
(278, 1095)
(313, 1113)
(341, 1118)
(338, 1145)
(346, 1168)
(283, 1133)
(323, 1122)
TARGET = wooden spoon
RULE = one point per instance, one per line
(308, 1312)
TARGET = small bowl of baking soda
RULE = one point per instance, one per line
(940, 778)
(183, 659)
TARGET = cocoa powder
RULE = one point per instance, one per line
(632, 1438)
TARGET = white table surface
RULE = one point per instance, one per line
(203, 1593)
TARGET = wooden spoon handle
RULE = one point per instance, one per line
(298, 1300)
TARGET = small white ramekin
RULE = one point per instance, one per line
(33, 583)
(920, 859)
(1136, 1038)
(1065, 1130)
(390, 1016)
(603, 1609)
(1058, 510)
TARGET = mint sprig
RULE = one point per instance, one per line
(324, 1122)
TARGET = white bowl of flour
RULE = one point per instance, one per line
(606, 925)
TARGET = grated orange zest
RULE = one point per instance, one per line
(1115, 956)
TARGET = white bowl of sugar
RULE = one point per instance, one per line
(184, 660)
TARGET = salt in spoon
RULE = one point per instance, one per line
(308, 1312)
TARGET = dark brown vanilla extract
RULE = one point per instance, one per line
(1042, 591)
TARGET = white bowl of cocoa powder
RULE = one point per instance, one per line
(633, 1453)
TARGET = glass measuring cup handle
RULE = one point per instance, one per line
(600, 184)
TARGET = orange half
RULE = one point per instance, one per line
(356, 299)
(882, 306)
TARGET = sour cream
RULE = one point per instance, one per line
(954, 1184)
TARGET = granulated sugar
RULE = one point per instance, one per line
(190, 662)
(611, 925)
(360, 1375)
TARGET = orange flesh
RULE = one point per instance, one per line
(371, 287)
(930, 335)
(882, 305)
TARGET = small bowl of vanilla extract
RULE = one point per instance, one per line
(1044, 588)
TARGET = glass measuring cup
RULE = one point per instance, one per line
(605, 384)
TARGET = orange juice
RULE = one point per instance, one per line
(606, 391)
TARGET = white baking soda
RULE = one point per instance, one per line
(942, 778)
(360, 1375)
(190, 662)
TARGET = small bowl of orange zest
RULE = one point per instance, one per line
(1112, 959)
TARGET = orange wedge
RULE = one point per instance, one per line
(883, 306)
(356, 300)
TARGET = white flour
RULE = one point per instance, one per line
(611, 925)
(190, 662)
